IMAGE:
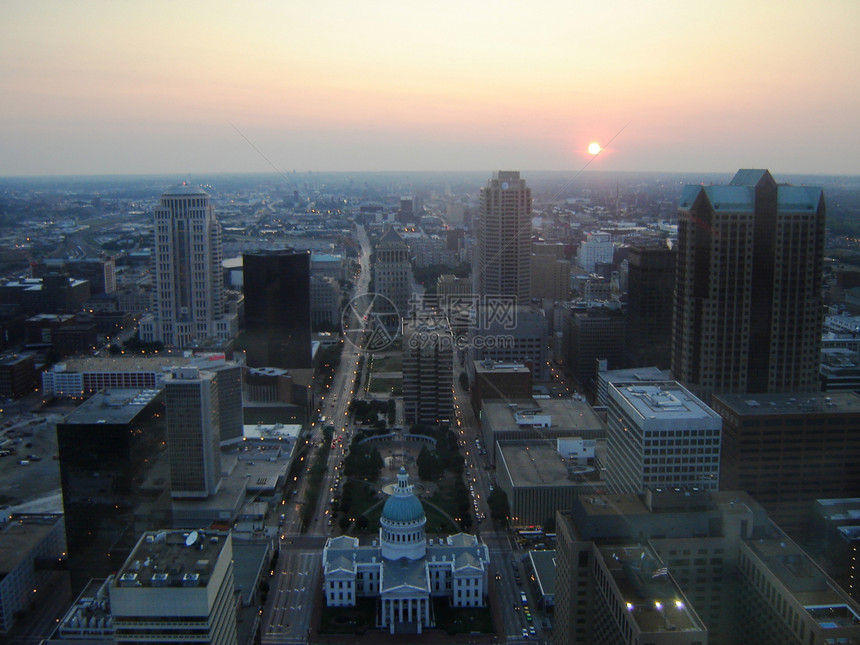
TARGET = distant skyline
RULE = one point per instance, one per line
(211, 87)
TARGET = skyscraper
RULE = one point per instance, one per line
(747, 313)
(188, 304)
(651, 276)
(660, 435)
(392, 273)
(427, 373)
(193, 433)
(278, 308)
(503, 258)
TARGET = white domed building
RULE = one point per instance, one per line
(403, 569)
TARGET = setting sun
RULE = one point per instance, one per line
(594, 148)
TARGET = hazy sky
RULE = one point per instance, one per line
(179, 87)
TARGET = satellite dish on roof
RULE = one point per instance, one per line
(191, 539)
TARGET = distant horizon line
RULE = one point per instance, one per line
(404, 172)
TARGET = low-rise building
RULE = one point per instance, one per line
(28, 542)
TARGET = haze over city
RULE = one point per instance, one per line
(156, 87)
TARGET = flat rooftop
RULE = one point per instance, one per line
(112, 407)
(660, 401)
(653, 599)
(566, 415)
(792, 404)
(537, 464)
(172, 559)
(500, 367)
(544, 565)
(806, 581)
(17, 538)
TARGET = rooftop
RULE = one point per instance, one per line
(790, 404)
(19, 537)
(664, 401)
(537, 464)
(653, 599)
(566, 415)
(173, 559)
(544, 565)
(112, 407)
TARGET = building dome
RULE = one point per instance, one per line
(402, 505)
(401, 526)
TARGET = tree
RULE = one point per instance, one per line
(464, 381)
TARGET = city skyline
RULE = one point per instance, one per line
(100, 87)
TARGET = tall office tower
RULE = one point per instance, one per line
(107, 448)
(278, 308)
(747, 314)
(660, 435)
(428, 364)
(503, 260)
(651, 285)
(406, 214)
(176, 587)
(188, 304)
(593, 333)
(550, 277)
(392, 273)
(193, 433)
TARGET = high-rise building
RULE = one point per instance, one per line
(747, 314)
(511, 335)
(188, 305)
(661, 567)
(176, 587)
(597, 248)
(428, 364)
(392, 273)
(503, 260)
(193, 433)
(278, 308)
(550, 277)
(107, 447)
(787, 450)
(660, 435)
(594, 333)
(651, 285)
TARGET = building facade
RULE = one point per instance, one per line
(787, 450)
(747, 315)
(193, 433)
(278, 308)
(651, 286)
(392, 273)
(176, 587)
(660, 435)
(403, 569)
(188, 304)
(428, 366)
(502, 264)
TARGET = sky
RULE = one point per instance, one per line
(377, 85)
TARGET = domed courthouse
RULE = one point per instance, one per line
(403, 569)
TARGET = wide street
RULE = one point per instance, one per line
(296, 582)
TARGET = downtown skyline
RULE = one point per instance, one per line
(122, 88)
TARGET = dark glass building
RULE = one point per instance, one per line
(278, 308)
(107, 449)
(651, 285)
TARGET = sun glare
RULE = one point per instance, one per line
(594, 148)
